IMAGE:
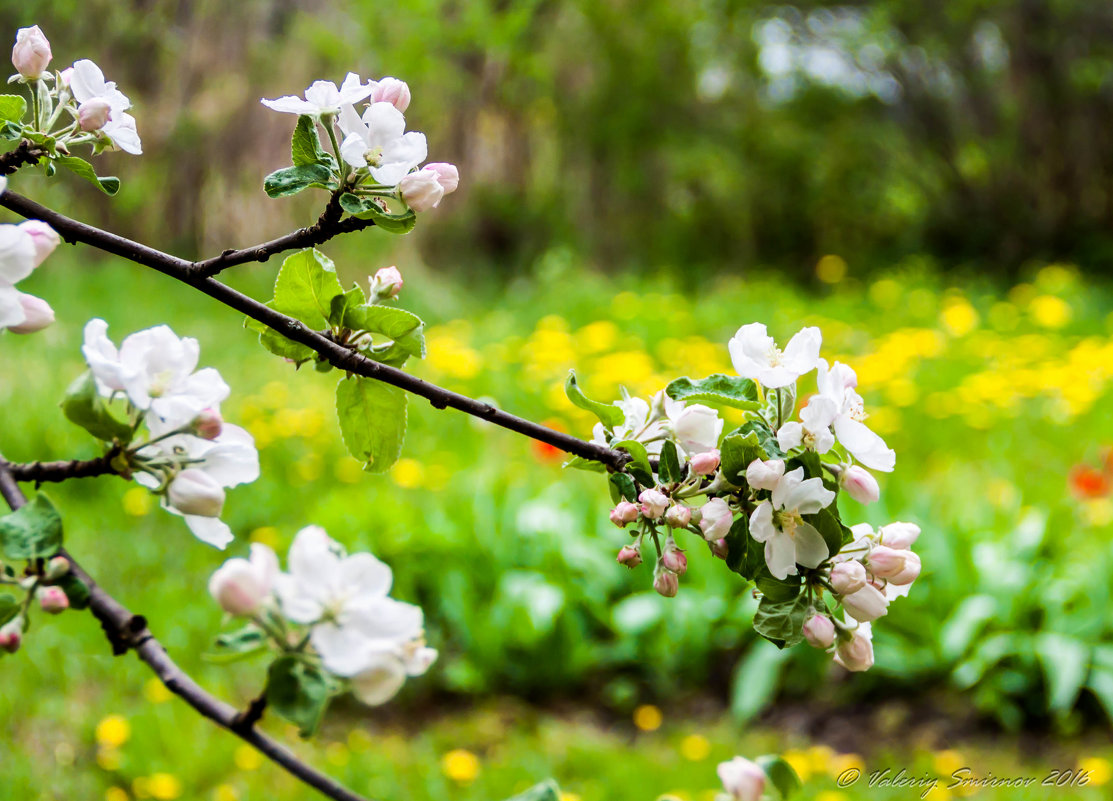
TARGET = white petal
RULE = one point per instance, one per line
(790, 435)
(297, 604)
(802, 353)
(811, 550)
(17, 254)
(363, 570)
(819, 413)
(352, 150)
(124, 135)
(11, 310)
(786, 486)
(234, 459)
(380, 681)
(866, 446)
(353, 90)
(288, 104)
(323, 96)
(385, 124)
(350, 123)
(386, 619)
(399, 157)
(86, 81)
(761, 522)
(210, 529)
(341, 648)
(780, 555)
(808, 497)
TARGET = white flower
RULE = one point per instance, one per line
(19, 255)
(742, 779)
(837, 383)
(814, 430)
(379, 142)
(87, 84)
(31, 53)
(243, 586)
(156, 369)
(229, 460)
(765, 475)
(45, 238)
(788, 539)
(195, 492)
(322, 97)
(867, 604)
(635, 426)
(37, 315)
(421, 190)
(899, 535)
(386, 671)
(755, 355)
(345, 599)
(694, 428)
(859, 484)
(715, 519)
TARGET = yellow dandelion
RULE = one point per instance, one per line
(1049, 311)
(108, 759)
(113, 731)
(247, 758)
(460, 765)
(695, 748)
(137, 502)
(958, 317)
(164, 786)
(115, 794)
(947, 762)
(820, 757)
(226, 792)
(841, 763)
(830, 269)
(1099, 770)
(569, 797)
(800, 762)
(407, 473)
(155, 692)
(832, 795)
(648, 717)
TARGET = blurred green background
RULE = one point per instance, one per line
(928, 184)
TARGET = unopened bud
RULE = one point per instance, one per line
(704, 464)
(11, 634)
(674, 559)
(911, 570)
(856, 652)
(819, 631)
(194, 492)
(208, 424)
(448, 175)
(43, 236)
(848, 577)
(899, 535)
(624, 512)
(31, 53)
(653, 503)
(629, 555)
(678, 516)
(421, 190)
(742, 779)
(393, 91)
(37, 315)
(764, 475)
(885, 562)
(715, 519)
(52, 600)
(666, 582)
(386, 283)
(57, 567)
(243, 586)
(719, 548)
(93, 114)
(859, 484)
(867, 604)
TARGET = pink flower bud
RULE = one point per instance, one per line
(678, 516)
(742, 779)
(666, 582)
(93, 114)
(719, 548)
(37, 315)
(52, 600)
(848, 577)
(421, 190)
(44, 238)
(31, 53)
(57, 567)
(885, 562)
(208, 424)
(393, 91)
(653, 503)
(630, 556)
(243, 586)
(11, 634)
(715, 519)
(764, 475)
(65, 76)
(704, 464)
(859, 484)
(194, 492)
(911, 570)
(819, 631)
(624, 512)
(899, 535)
(386, 283)
(856, 652)
(674, 560)
(447, 174)
(867, 604)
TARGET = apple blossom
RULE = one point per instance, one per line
(385, 283)
(447, 174)
(778, 522)
(848, 577)
(92, 115)
(386, 671)
(819, 631)
(837, 383)
(322, 98)
(624, 512)
(639, 423)
(18, 254)
(11, 634)
(194, 492)
(704, 464)
(629, 555)
(764, 475)
(716, 519)
(665, 582)
(910, 573)
(87, 84)
(378, 141)
(37, 315)
(755, 355)
(742, 779)
(390, 90)
(814, 429)
(695, 428)
(678, 516)
(899, 535)
(885, 562)
(868, 603)
(859, 484)
(31, 53)
(43, 237)
(52, 600)
(674, 559)
(653, 503)
(421, 190)
(855, 652)
(243, 586)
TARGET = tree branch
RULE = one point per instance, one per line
(25, 153)
(337, 355)
(42, 472)
(127, 631)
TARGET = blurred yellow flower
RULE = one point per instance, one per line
(800, 762)
(115, 794)
(113, 731)
(832, 795)
(226, 792)
(840, 763)
(338, 754)
(648, 717)
(597, 337)
(108, 758)
(830, 269)
(407, 473)
(1100, 770)
(569, 797)
(947, 762)
(164, 787)
(155, 692)
(137, 502)
(247, 758)
(958, 317)
(451, 355)
(1049, 311)
(695, 748)
(460, 766)
(820, 757)
(265, 535)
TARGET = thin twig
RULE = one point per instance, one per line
(49, 472)
(126, 631)
(337, 355)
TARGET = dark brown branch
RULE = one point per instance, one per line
(44, 472)
(337, 355)
(126, 631)
(25, 153)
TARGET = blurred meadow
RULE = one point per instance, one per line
(932, 186)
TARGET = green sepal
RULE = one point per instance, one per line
(83, 405)
(368, 209)
(609, 414)
(235, 645)
(719, 389)
(299, 692)
(33, 531)
(638, 466)
(580, 463)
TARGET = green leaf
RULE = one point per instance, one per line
(285, 347)
(405, 330)
(239, 644)
(765, 437)
(368, 209)
(298, 692)
(669, 464)
(84, 169)
(344, 304)
(291, 180)
(781, 622)
(810, 461)
(773, 588)
(638, 466)
(546, 791)
(782, 775)
(736, 453)
(76, 591)
(580, 463)
(722, 390)
(608, 414)
(834, 533)
(372, 421)
(306, 286)
(305, 146)
(739, 546)
(12, 108)
(9, 608)
(84, 406)
(11, 131)
(32, 531)
(625, 486)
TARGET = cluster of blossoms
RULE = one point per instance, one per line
(44, 582)
(191, 455)
(763, 496)
(358, 634)
(73, 106)
(23, 247)
(382, 156)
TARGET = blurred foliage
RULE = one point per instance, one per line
(708, 134)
